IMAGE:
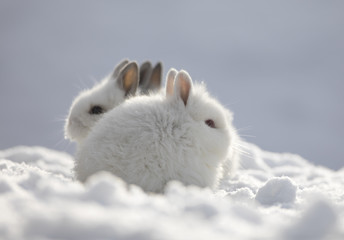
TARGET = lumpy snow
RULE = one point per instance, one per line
(272, 196)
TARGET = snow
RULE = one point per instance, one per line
(278, 190)
(272, 196)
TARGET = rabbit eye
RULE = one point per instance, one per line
(96, 110)
(210, 123)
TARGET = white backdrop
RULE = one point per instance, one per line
(278, 66)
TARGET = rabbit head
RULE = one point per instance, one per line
(89, 106)
(207, 124)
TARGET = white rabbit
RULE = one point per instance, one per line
(151, 140)
(90, 105)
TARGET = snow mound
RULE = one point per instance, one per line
(273, 196)
(277, 190)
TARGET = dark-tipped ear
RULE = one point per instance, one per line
(128, 78)
(170, 81)
(155, 78)
(145, 72)
(182, 86)
(118, 68)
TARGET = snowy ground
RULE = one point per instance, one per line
(273, 196)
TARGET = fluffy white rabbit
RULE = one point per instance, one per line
(90, 105)
(151, 140)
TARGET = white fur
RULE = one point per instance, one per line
(150, 140)
(106, 94)
(79, 121)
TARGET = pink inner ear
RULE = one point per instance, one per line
(170, 81)
(169, 87)
(184, 86)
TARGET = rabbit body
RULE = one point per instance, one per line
(151, 140)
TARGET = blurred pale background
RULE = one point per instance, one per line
(278, 65)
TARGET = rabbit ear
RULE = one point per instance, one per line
(128, 78)
(145, 72)
(118, 68)
(155, 78)
(170, 81)
(182, 86)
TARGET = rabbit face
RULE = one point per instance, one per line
(212, 119)
(207, 127)
(89, 107)
(91, 104)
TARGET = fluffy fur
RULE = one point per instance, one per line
(150, 140)
(108, 94)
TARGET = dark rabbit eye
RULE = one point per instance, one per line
(210, 123)
(96, 110)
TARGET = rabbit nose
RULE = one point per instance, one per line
(73, 124)
(76, 124)
(70, 123)
(74, 121)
